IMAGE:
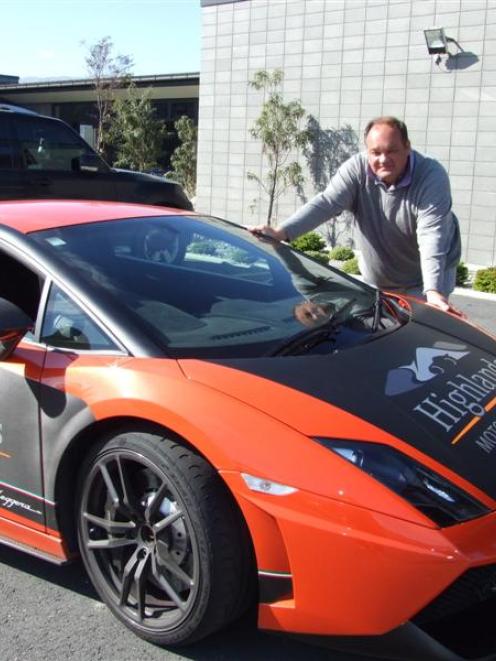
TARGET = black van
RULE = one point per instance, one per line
(43, 157)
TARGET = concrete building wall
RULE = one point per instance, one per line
(348, 61)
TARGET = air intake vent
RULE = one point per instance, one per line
(251, 331)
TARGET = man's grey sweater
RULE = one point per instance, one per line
(407, 234)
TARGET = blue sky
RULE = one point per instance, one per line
(42, 38)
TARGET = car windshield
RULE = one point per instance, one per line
(206, 287)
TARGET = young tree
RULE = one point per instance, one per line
(109, 73)
(135, 133)
(277, 127)
(183, 159)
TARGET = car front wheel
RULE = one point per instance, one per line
(162, 539)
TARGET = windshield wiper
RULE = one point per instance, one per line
(310, 337)
(377, 310)
(372, 314)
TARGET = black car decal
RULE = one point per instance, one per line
(433, 416)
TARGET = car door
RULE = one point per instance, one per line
(51, 156)
(42, 395)
(11, 179)
(22, 505)
(75, 372)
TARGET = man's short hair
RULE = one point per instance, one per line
(394, 122)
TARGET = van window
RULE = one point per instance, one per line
(6, 145)
(49, 145)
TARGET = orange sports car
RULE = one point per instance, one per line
(214, 420)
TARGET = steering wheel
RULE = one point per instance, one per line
(162, 245)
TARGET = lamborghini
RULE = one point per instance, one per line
(216, 423)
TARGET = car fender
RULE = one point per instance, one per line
(242, 439)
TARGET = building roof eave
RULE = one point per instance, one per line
(159, 80)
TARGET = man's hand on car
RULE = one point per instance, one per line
(437, 300)
(262, 231)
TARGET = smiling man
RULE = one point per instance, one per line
(401, 201)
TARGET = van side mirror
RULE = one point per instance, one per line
(90, 162)
(14, 324)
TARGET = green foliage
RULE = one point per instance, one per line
(135, 133)
(109, 73)
(351, 266)
(221, 250)
(461, 274)
(309, 241)
(341, 253)
(485, 280)
(240, 256)
(203, 247)
(321, 256)
(183, 159)
(277, 127)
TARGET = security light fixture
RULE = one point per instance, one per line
(437, 42)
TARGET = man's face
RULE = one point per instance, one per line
(387, 153)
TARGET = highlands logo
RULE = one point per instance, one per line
(461, 396)
(428, 364)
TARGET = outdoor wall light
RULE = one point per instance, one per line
(437, 41)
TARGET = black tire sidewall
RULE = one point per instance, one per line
(170, 460)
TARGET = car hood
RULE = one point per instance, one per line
(431, 384)
(153, 189)
(136, 175)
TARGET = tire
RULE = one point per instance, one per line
(162, 539)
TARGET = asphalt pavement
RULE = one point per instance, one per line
(50, 613)
(479, 307)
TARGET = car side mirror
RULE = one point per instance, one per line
(14, 324)
(89, 162)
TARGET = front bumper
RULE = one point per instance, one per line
(352, 572)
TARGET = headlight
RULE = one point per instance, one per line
(435, 496)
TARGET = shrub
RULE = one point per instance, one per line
(309, 241)
(320, 255)
(204, 247)
(240, 256)
(461, 274)
(485, 280)
(351, 266)
(341, 253)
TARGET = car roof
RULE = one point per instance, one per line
(33, 215)
(9, 107)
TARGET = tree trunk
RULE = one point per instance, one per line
(272, 193)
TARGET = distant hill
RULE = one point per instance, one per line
(47, 79)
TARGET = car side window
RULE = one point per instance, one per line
(49, 145)
(20, 285)
(6, 145)
(67, 326)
